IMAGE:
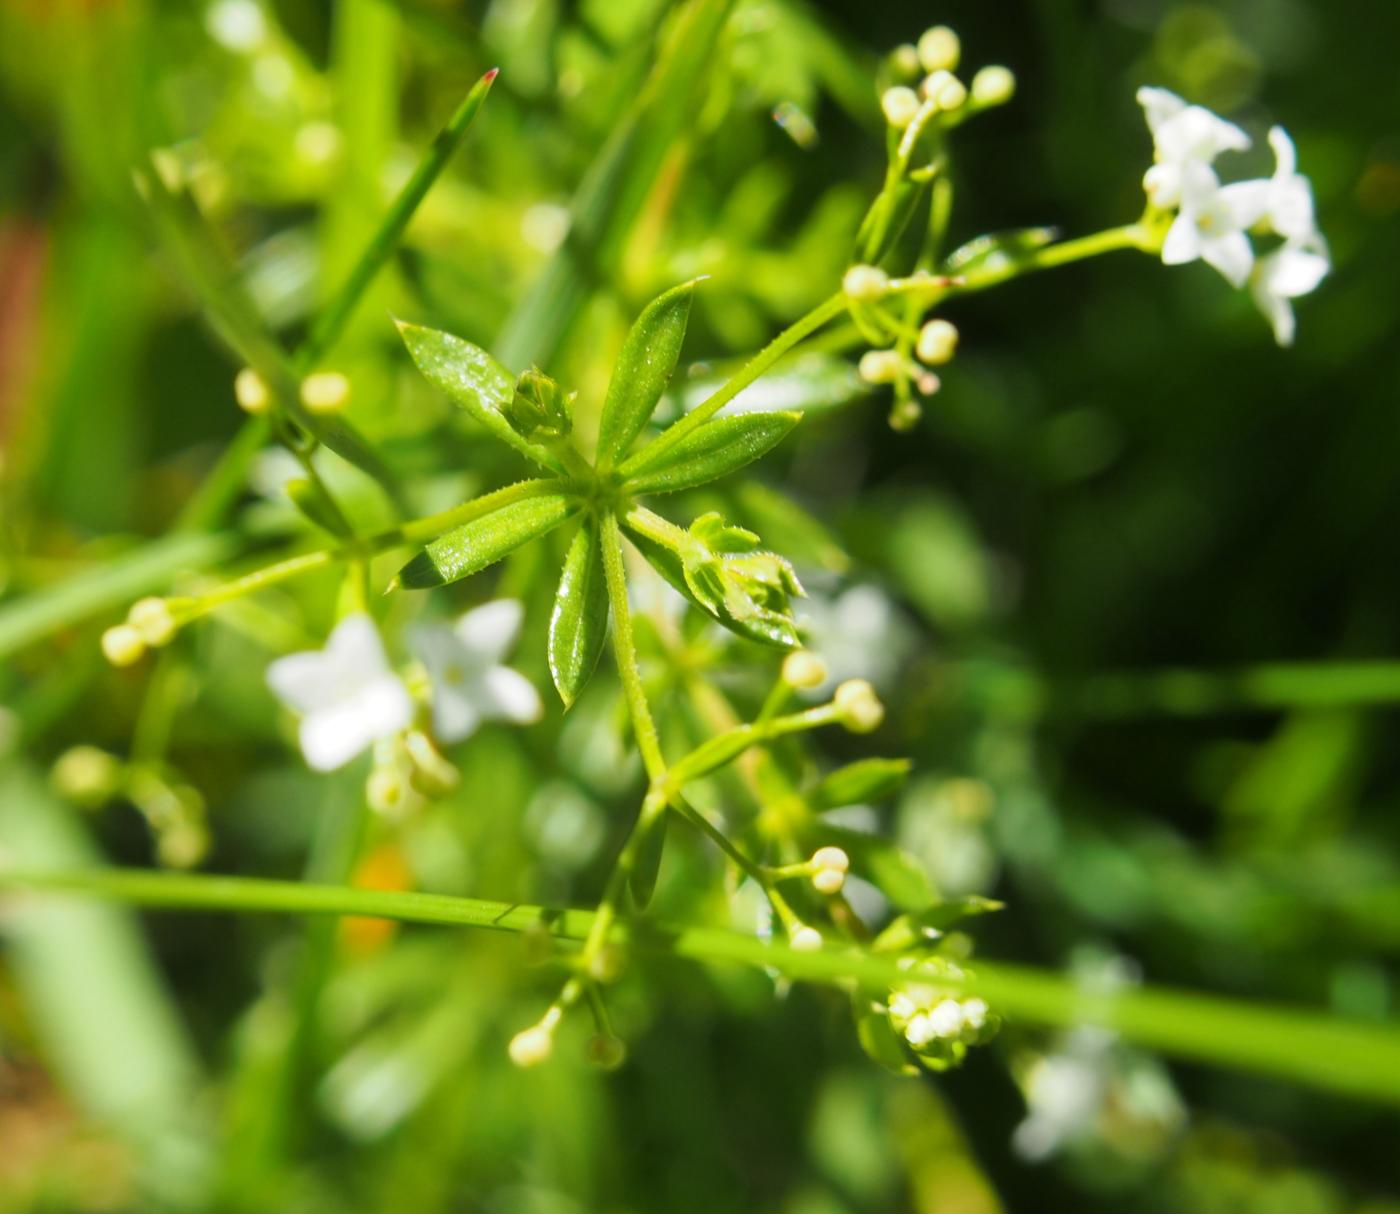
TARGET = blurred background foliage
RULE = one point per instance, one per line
(1124, 494)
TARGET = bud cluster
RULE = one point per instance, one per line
(940, 1028)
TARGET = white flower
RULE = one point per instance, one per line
(470, 685)
(347, 694)
(1186, 138)
(1289, 198)
(1290, 271)
(1065, 1093)
(1212, 224)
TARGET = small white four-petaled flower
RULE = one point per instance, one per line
(470, 684)
(348, 695)
(1213, 220)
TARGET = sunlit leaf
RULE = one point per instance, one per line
(484, 541)
(716, 449)
(859, 783)
(578, 626)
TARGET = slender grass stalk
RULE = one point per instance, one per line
(1349, 1057)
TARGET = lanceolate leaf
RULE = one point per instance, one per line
(643, 369)
(578, 627)
(648, 865)
(474, 380)
(485, 541)
(878, 1038)
(859, 783)
(714, 450)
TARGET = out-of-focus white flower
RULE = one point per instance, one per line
(1065, 1093)
(1186, 139)
(470, 684)
(347, 694)
(1289, 197)
(1284, 275)
(1211, 226)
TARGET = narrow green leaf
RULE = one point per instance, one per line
(859, 783)
(578, 626)
(716, 449)
(484, 541)
(998, 249)
(648, 358)
(913, 928)
(648, 865)
(474, 380)
(310, 497)
(878, 1039)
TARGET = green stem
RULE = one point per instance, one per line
(829, 309)
(1129, 236)
(1355, 1058)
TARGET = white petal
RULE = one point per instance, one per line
(353, 656)
(1291, 210)
(296, 681)
(1245, 202)
(490, 630)
(444, 655)
(1279, 312)
(332, 736)
(1197, 134)
(1159, 105)
(1297, 272)
(1231, 254)
(355, 646)
(1285, 154)
(456, 714)
(511, 696)
(1183, 242)
(1162, 182)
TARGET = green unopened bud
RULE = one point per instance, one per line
(940, 49)
(606, 1051)
(938, 342)
(905, 414)
(865, 283)
(899, 104)
(540, 408)
(858, 707)
(904, 61)
(993, 85)
(325, 392)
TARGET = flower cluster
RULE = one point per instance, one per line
(938, 1027)
(350, 698)
(1213, 221)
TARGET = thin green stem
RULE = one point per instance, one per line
(1356, 1058)
(827, 310)
(1129, 236)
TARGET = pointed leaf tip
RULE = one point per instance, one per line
(491, 75)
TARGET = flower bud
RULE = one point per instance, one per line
(904, 61)
(975, 1013)
(939, 49)
(993, 85)
(325, 392)
(86, 775)
(806, 940)
(946, 1018)
(899, 104)
(828, 880)
(858, 707)
(123, 646)
(865, 283)
(938, 342)
(831, 857)
(153, 621)
(905, 414)
(386, 789)
(880, 366)
(606, 1051)
(251, 392)
(945, 90)
(804, 670)
(531, 1046)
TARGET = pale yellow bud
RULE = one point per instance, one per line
(828, 881)
(123, 645)
(858, 706)
(939, 49)
(938, 342)
(945, 90)
(993, 85)
(385, 790)
(325, 392)
(899, 104)
(153, 620)
(831, 857)
(806, 940)
(865, 283)
(531, 1046)
(880, 366)
(251, 392)
(804, 670)
(86, 775)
